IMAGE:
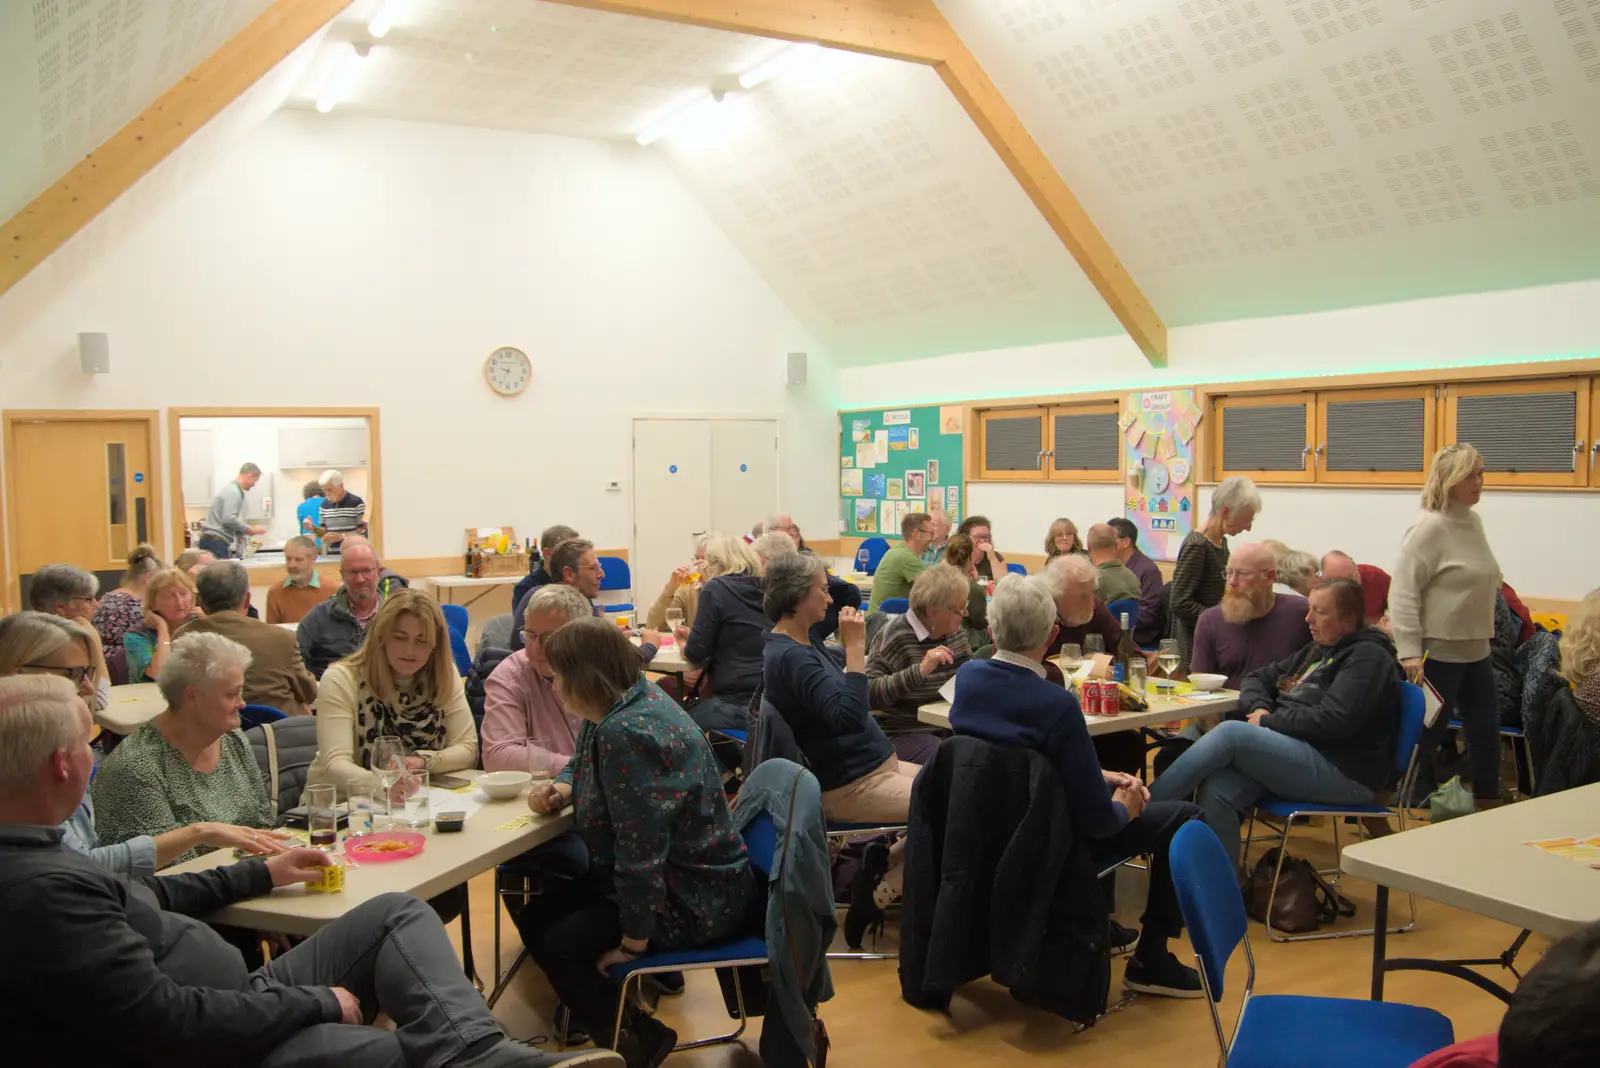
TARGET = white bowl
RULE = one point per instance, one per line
(504, 785)
(1201, 681)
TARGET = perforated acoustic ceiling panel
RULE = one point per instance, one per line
(73, 72)
(872, 204)
(1257, 157)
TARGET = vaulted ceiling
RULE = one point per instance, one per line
(1242, 157)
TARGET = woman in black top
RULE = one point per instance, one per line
(1197, 577)
(729, 634)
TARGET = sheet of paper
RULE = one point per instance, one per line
(899, 418)
(456, 801)
(516, 823)
(1585, 851)
(951, 418)
(880, 445)
(850, 482)
(866, 456)
(947, 692)
(860, 430)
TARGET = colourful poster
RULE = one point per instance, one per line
(1159, 480)
(913, 438)
(897, 437)
(866, 516)
(866, 455)
(860, 430)
(952, 498)
(895, 490)
(950, 418)
(915, 486)
(875, 485)
(847, 461)
(933, 472)
(850, 482)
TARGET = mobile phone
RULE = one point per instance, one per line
(448, 782)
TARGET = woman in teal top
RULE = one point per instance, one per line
(668, 869)
(308, 514)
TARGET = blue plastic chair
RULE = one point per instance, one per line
(870, 553)
(1278, 1030)
(761, 842)
(1406, 745)
(459, 651)
(1016, 569)
(256, 715)
(1519, 749)
(616, 576)
(894, 606)
(1129, 605)
(455, 617)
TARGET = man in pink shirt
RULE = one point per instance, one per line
(525, 727)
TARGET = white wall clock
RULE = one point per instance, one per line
(508, 371)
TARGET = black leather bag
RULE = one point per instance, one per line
(1305, 900)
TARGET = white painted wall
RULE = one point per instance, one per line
(1545, 541)
(347, 261)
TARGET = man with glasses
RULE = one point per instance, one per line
(1253, 625)
(335, 628)
(574, 564)
(902, 564)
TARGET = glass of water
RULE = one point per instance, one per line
(418, 809)
(365, 809)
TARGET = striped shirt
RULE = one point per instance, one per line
(896, 685)
(344, 517)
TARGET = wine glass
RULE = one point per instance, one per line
(674, 618)
(1093, 644)
(387, 759)
(1167, 658)
(1071, 657)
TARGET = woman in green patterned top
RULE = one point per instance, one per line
(190, 764)
(668, 870)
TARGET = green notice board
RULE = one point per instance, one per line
(923, 450)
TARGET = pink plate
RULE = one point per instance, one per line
(368, 848)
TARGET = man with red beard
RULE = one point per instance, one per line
(1253, 626)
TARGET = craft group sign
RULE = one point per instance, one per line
(1159, 428)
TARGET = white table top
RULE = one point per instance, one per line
(1479, 863)
(668, 659)
(448, 581)
(446, 860)
(1162, 710)
(130, 706)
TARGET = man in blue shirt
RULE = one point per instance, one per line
(1007, 700)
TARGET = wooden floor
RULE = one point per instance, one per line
(869, 1023)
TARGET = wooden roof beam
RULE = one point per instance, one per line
(915, 31)
(97, 180)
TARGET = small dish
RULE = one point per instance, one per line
(446, 822)
(504, 785)
(1207, 682)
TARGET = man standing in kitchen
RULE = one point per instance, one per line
(343, 513)
(223, 530)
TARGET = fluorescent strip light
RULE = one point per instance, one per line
(340, 82)
(383, 20)
(788, 59)
(692, 114)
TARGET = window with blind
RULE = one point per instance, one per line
(1085, 443)
(1530, 433)
(1268, 438)
(1374, 435)
(1013, 443)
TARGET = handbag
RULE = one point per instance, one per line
(1451, 800)
(1305, 900)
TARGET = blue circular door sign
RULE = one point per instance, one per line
(673, 469)
(138, 476)
(742, 467)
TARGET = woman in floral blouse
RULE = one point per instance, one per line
(123, 608)
(668, 870)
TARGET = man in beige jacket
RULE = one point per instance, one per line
(276, 677)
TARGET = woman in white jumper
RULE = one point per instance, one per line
(1442, 604)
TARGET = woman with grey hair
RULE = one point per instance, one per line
(1299, 571)
(1197, 576)
(191, 763)
(71, 593)
(33, 643)
(827, 711)
(1441, 605)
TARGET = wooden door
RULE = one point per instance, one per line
(81, 490)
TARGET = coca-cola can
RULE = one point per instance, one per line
(1090, 697)
(1110, 699)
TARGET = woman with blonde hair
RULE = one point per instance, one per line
(168, 605)
(1200, 573)
(1580, 655)
(1062, 540)
(1441, 605)
(680, 592)
(729, 634)
(123, 608)
(401, 683)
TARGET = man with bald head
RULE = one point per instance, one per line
(1374, 582)
(1254, 625)
(1113, 581)
(335, 628)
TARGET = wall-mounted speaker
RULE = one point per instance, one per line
(794, 369)
(94, 353)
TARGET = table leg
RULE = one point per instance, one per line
(1380, 940)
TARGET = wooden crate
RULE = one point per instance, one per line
(494, 565)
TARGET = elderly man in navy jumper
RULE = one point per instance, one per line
(1008, 701)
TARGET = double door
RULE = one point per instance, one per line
(691, 476)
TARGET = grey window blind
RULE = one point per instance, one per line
(1375, 435)
(1012, 444)
(1268, 438)
(1086, 442)
(1521, 431)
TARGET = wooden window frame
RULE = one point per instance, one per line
(1221, 403)
(1591, 465)
(1429, 395)
(1583, 387)
(1042, 414)
(1113, 475)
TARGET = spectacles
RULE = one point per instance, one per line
(533, 637)
(588, 567)
(76, 674)
(924, 530)
(1244, 573)
(91, 600)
